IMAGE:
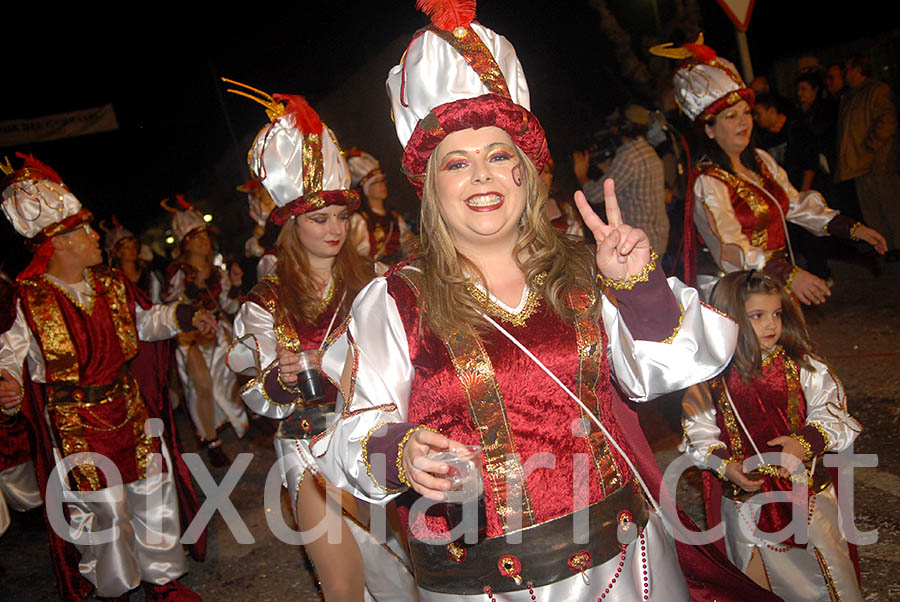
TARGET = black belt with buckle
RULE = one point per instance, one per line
(305, 422)
(546, 554)
(87, 395)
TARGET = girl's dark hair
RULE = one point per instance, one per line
(730, 295)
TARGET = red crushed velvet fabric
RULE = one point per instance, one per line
(15, 447)
(170, 592)
(475, 113)
(539, 414)
(726, 101)
(206, 296)
(763, 406)
(326, 198)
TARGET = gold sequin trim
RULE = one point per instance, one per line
(790, 279)
(496, 311)
(853, 229)
(807, 448)
(668, 340)
(826, 573)
(261, 380)
(824, 433)
(777, 352)
(401, 472)
(364, 444)
(629, 283)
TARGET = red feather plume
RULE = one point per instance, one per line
(32, 163)
(183, 203)
(116, 222)
(703, 52)
(448, 14)
(305, 117)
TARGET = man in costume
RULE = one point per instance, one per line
(78, 324)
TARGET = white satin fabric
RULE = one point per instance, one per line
(665, 582)
(643, 370)
(721, 230)
(251, 353)
(32, 205)
(186, 221)
(698, 85)
(19, 491)
(826, 406)
(16, 344)
(228, 407)
(276, 158)
(795, 573)
(435, 74)
(149, 544)
(266, 265)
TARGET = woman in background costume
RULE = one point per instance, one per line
(309, 291)
(209, 386)
(741, 198)
(123, 249)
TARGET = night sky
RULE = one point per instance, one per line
(179, 131)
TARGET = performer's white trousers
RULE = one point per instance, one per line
(18, 490)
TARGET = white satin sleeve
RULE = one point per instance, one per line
(359, 234)
(252, 353)
(18, 344)
(156, 287)
(826, 406)
(157, 323)
(701, 433)
(700, 348)
(265, 265)
(175, 287)
(721, 231)
(807, 209)
(379, 390)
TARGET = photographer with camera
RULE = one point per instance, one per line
(636, 169)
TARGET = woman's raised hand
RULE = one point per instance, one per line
(622, 251)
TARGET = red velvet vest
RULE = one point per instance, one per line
(483, 390)
(756, 211)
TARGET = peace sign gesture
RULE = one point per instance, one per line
(622, 251)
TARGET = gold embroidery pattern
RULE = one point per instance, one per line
(502, 462)
(751, 194)
(853, 229)
(122, 317)
(807, 448)
(57, 348)
(590, 359)
(629, 283)
(312, 168)
(792, 375)
(777, 352)
(477, 55)
(731, 427)
(496, 311)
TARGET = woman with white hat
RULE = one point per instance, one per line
(286, 319)
(488, 339)
(741, 198)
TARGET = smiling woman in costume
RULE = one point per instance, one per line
(426, 367)
(742, 197)
(296, 158)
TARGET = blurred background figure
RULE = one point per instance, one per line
(124, 252)
(867, 150)
(562, 214)
(209, 386)
(377, 231)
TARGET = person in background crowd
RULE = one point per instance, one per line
(640, 179)
(834, 81)
(123, 249)
(209, 386)
(562, 214)
(293, 310)
(868, 151)
(377, 231)
(77, 325)
(261, 243)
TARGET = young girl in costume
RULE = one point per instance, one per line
(776, 396)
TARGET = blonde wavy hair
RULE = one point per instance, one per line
(540, 248)
(296, 288)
